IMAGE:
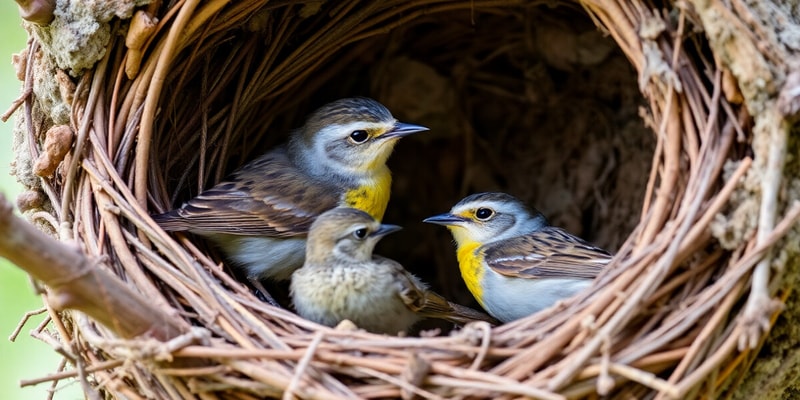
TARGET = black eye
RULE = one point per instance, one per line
(360, 233)
(359, 136)
(484, 213)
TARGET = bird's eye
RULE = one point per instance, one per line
(360, 233)
(359, 136)
(484, 214)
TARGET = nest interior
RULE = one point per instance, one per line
(492, 87)
(622, 135)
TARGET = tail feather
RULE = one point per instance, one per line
(171, 221)
(462, 315)
(433, 305)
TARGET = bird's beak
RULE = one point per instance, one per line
(445, 219)
(402, 129)
(385, 229)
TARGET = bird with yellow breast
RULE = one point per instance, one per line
(512, 261)
(342, 280)
(260, 215)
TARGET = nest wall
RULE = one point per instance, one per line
(629, 123)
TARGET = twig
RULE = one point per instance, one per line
(302, 366)
(73, 280)
(24, 320)
(759, 305)
(111, 364)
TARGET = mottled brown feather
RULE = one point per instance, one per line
(266, 198)
(429, 304)
(547, 253)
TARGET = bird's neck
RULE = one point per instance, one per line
(371, 193)
(469, 263)
(367, 190)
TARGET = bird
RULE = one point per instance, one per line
(259, 216)
(341, 279)
(512, 261)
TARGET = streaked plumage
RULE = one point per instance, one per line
(341, 279)
(260, 215)
(512, 260)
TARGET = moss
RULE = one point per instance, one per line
(79, 35)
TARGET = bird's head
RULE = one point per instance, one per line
(345, 233)
(351, 135)
(488, 217)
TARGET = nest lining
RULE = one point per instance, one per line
(489, 106)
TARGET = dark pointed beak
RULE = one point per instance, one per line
(445, 219)
(402, 129)
(385, 229)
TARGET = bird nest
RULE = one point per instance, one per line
(657, 130)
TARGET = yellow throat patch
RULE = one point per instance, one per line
(471, 269)
(372, 197)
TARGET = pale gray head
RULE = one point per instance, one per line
(353, 135)
(344, 233)
(488, 217)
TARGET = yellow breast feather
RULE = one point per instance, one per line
(372, 197)
(471, 270)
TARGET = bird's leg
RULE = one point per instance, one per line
(261, 291)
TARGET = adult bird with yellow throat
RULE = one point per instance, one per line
(513, 262)
(260, 215)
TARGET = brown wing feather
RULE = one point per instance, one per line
(429, 304)
(263, 198)
(548, 253)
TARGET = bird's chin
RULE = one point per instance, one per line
(382, 155)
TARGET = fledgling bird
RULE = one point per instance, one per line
(260, 215)
(342, 280)
(513, 262)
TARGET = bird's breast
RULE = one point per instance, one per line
(371, 195)
(470, 264)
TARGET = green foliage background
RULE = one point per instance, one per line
(26, 358)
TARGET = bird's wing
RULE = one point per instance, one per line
(427, 303)
(268, 197)
(548, 253)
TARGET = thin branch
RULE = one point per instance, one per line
(73, 281)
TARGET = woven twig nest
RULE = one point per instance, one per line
(661, 131)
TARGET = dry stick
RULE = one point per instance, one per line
(678, 281)
(16, 104)
(651, 362)
(131, 215)
(23, 321)
(712, 362)
(671, 167)
(72, 374)
(31, 139)
(687, 318)
(78, 149)
(701, 342)
(716, 205)
(753, 318)
(385, 28)
(623, 32)
(399, 383)
(663, 336)
(153, 93)
(73, 280)
(645, 378)
(124, 255)
(738, 360)
(654, 277)
(486, 340)
(280, 382)
(512, 388)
